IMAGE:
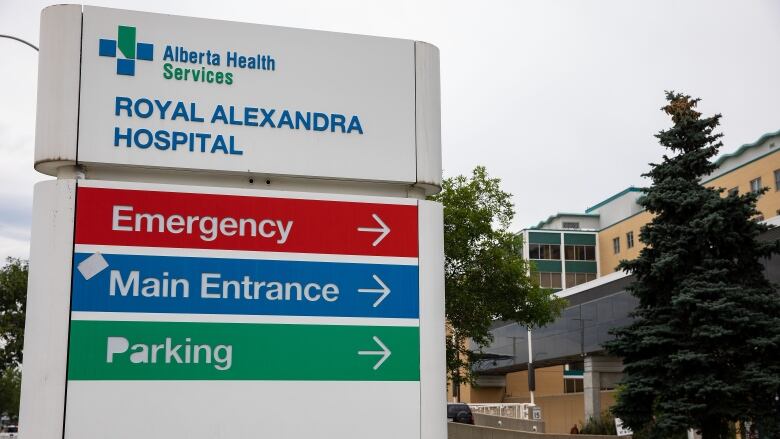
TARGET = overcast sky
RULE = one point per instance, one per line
(559, 99)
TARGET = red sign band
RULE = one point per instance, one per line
(146, 218)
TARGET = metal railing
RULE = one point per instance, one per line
(508, 410)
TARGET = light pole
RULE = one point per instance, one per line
(11, 37)
(531, 371)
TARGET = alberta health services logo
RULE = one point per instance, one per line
(182, 63)
(129, 48)
(198, 66)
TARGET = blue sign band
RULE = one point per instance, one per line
(194, 285)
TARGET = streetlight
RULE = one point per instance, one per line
(11, 37)
(531, 371)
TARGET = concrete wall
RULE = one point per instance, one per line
(620, 207)
(608, 259)
(481, 394)
(561, 412)
(767, 144)
(739, 177)
(769, 203)
(464, 431)
(586, 222)
(508, 423)
(549, 381)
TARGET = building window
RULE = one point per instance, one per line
(574, 279)
(573, 375)
(755, 185)
(544, 251)
(777, 179)
(571, 225)
(616, 245)
(548, 280)
(573, 385)
(580, 252)
(629, 239)
(733, 192)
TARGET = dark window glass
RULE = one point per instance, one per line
(616, 245)
(629, 239)
(573, 385)
(580, 252)
(570, 280)
(777, 179)
(734, 191)
(574, 279)
(548, 280)
(533, 251)
(544, 251)
(555, 280)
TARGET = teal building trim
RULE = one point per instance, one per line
(580, 266)
(544, 238)
(579, 238)
(545, 266)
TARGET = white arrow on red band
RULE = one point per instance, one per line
(384, 290)
(383, 229)
(385, 353)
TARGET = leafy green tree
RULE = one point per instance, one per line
(10, 390)
(704, 349)
(486, 277)
(13, 300)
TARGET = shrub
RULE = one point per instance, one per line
(605, 424)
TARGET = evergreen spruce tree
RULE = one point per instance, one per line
(704, 349)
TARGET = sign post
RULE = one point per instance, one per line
(170, 296)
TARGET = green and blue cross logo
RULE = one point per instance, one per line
(129, 48)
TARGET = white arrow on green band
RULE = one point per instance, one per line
(385, 353)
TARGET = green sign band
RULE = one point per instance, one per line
(118, 350)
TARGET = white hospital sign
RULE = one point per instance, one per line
(167, 92)
(173, 296)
